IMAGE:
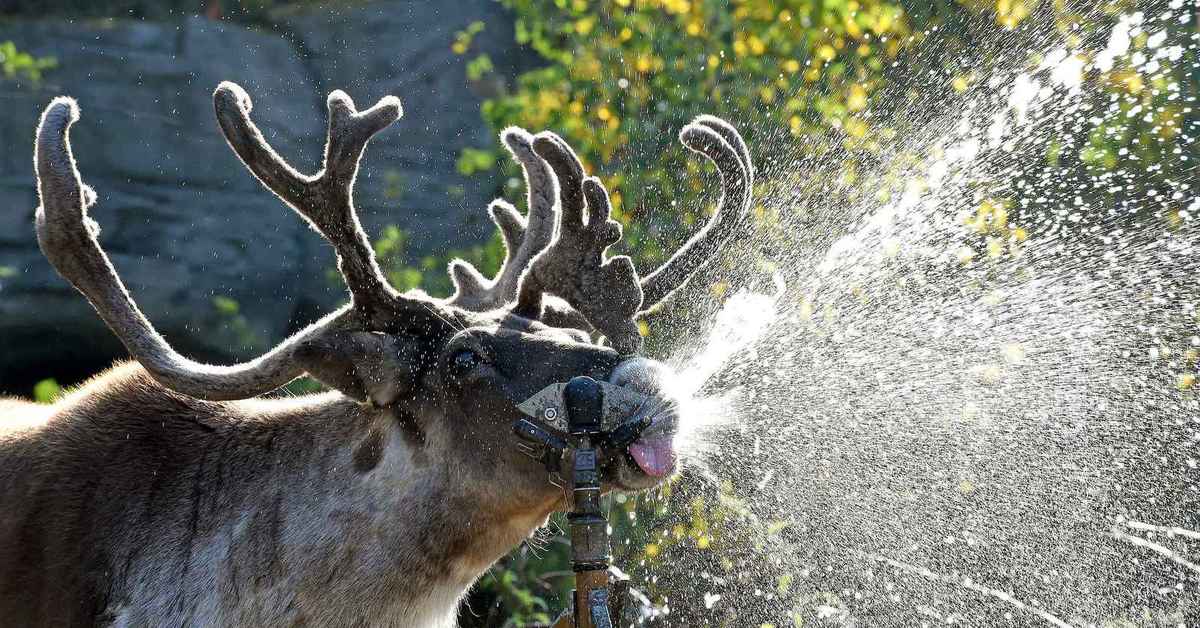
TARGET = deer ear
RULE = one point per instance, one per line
(363, 365)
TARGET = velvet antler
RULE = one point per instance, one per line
(523, 239)
(607, 291)
(69, 239)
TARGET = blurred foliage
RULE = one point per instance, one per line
(529, 587)
(624, 76)
(808, 82)
(429, 272)
(15, 64)
(46, 391)
(234, 328)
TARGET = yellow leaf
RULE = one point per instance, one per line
(995, 247)
(856, 128)
(757, 47)
(857, 100)
(852, 28)
(883, 22)
(1010, 12)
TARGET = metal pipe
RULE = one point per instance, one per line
(584, 402)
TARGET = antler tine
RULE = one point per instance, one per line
(523, 239)
(573, 266)
(608, 293)
(324, 199)
(68, 238)
(723, 145)
(731, 135)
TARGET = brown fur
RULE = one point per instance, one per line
(123, 478)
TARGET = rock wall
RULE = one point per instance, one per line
(185, 224)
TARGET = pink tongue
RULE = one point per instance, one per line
(654, 455)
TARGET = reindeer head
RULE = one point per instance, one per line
(451, 370)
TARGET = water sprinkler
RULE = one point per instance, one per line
(588, 415)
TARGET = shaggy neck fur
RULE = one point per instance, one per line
(314, 510)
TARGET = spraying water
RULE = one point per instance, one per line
(975, 401)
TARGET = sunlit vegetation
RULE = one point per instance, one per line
(813, 83)
(16, 65)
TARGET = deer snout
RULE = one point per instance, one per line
(649, 377)
(653, 453)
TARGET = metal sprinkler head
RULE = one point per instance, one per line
(588, 412)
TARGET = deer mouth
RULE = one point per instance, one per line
(654, 450)
(652, 457)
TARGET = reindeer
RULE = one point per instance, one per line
(169, 492)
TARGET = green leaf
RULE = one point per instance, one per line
(473, 160)
(46, 391)
(225, 305)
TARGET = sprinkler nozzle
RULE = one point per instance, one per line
(540, 444)
(626, 433)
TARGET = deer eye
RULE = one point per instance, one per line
(463, 362)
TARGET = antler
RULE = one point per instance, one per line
(608, 292)
(717, 140)
(573, 267)
(68, 238)
(324, 199)
(523, 239)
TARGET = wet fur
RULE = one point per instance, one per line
(127, 504)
